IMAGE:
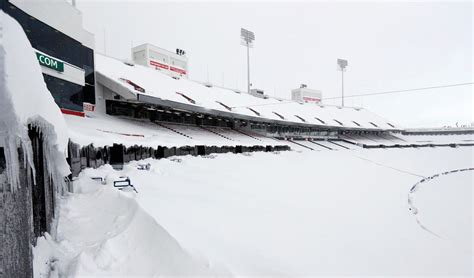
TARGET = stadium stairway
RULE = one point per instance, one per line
(216, 133)
(174, 130)
(321, 145)
(346, 144)
(245, 133)
(339, 145)
(300, 144)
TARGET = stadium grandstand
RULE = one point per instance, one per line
(124, 83)
(120, 110)
(148, 112)
(153, 108)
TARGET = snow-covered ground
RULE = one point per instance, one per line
(289, 213)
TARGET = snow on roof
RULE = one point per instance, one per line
(25, 100)
(195, 94)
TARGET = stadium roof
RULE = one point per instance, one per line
(139, 83)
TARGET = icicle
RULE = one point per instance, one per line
(9, 125)
(55, 159)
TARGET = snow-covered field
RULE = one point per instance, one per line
(290, 213)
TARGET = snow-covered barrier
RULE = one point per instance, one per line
(81, 157)
(33, 143)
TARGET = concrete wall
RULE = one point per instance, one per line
(16, 229)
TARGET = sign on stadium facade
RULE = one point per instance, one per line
(305, 94)
(173, 64)
(50, 62)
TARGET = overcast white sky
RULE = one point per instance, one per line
(389, 46)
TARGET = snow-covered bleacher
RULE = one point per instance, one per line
(105, 130)
(333, 144)
(158, 88)
(239, 136)
(240, 119)
(345, 145)
(407, 140)
(372, 140)
(460, 139)
(321, 145)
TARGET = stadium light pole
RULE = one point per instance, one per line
(247, 37)
(342, 67)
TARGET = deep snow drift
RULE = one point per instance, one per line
(102, 231)
(289, 213)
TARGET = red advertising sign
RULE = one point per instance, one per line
(88, 107)
(159, 65)
(178, 70)
(311, 99)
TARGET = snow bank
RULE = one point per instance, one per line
(103, 231)
(25, 100)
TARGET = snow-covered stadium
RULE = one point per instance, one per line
(110, 167)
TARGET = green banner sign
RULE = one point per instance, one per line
(50, 62)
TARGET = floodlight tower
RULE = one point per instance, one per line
(247, 37)
(342, 67)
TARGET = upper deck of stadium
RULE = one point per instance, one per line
(138, 84)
